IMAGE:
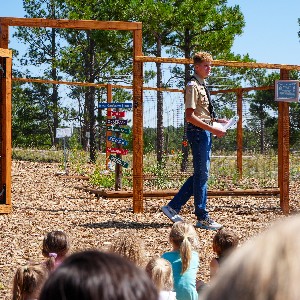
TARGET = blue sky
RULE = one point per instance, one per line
(270, 34)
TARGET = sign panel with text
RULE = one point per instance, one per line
(287, 90)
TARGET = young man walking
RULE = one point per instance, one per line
(200, 115)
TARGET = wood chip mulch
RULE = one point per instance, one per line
(44, 202)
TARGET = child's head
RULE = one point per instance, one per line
(55, 246)
(160, 271)
(184, 238)
(129, 246)
(224, 241)
(28, 282)
(94, 275)
(264, 267)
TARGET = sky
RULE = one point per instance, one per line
(270, 34)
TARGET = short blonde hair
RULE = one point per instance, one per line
(199, 57)
(160, 271)
(266, 267)
(130, 246)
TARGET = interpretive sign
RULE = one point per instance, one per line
(287, 90)
(63, 132)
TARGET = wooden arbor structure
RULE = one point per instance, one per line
(138, 60)
(283, 118)
(5, 109)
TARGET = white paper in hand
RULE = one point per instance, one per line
(231, 122)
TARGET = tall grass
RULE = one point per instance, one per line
(259, 171)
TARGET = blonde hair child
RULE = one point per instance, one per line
(160, 271)
(129, 246)
(28, 282)
(184, 260)
(56, 246)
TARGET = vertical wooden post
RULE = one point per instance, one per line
(108, 133)
(240, 133)
(5, 117)
(283, 149)
(118, 169)
(137, 124)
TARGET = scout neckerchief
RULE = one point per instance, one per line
(210, 105)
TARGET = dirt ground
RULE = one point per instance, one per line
(44, 202)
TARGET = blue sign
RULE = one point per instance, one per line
(287, 90)
(117, 140)
(115, 105)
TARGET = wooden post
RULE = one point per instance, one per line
(283, 149)
(108, 133)
(118, 169)
(5, 116)
(240, 133)
(137, 124)
(5, 132)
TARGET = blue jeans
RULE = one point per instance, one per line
(200, 142)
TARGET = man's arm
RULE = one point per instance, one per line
(193, 119)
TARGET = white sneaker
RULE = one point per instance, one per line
(171, 214)
(209, 224)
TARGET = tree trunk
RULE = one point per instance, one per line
(54, 96)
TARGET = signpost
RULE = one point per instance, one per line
(114, 123)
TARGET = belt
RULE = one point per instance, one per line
(193, 127)
(209, 122)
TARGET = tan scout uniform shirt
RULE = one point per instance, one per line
(196, 98)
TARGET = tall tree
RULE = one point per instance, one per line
(43, 52)
(203, 25)
(95, 56)
(155, 16)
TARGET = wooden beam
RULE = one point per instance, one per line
(72, 24)
(5, 53)
(5, 209)
(172, 192)
(96, 85)
(234, 64)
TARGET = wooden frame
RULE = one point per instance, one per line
(283, 117)
(136, 28)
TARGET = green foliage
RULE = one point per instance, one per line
(101, 178)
